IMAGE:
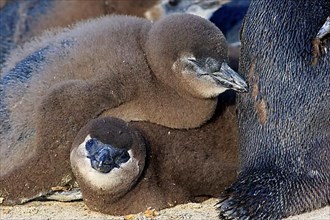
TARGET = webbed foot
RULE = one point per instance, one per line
(274, 195)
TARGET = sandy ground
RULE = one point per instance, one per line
(77, 210)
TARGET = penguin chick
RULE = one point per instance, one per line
(180, 166)
(108, 156)
(168, 72)
(179, 61)
(187, 74)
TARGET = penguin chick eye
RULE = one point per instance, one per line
(89, 144)
(122, 158)
(204, 66)
(212, 65)
(173, 3)
(194, 66)
(194, 61)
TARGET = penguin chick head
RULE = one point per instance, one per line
(202, 8)
(108, 155)
(190, 54)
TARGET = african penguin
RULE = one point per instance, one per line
(159, 72)
(108, 157)
(284, 119)
(180, 165)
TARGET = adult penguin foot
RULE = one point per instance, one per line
(272, 194)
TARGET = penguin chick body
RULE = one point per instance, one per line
(180, 165)
(168, 73)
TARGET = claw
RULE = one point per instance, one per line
(227, 205)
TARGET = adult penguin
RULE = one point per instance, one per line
(284, 120)
(159, 72)
(173, 166)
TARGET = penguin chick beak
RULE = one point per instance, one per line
(105, 157)
(229, 79)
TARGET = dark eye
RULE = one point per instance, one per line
(173, 2)
(212, 65)
(123, 157)
(89, 145)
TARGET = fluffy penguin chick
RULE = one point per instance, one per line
(168, 72)
(180, 166)
(107, 156)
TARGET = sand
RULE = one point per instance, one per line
(77, 210)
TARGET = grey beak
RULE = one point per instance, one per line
(228, 78)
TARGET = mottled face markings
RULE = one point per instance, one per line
(260, 104)
(262, 110)
(251, 72)
(255, 88)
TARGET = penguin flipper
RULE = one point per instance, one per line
(69, 106)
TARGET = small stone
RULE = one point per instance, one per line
(150, 213)
(129, 217)
(59, 188)
(5, 211)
